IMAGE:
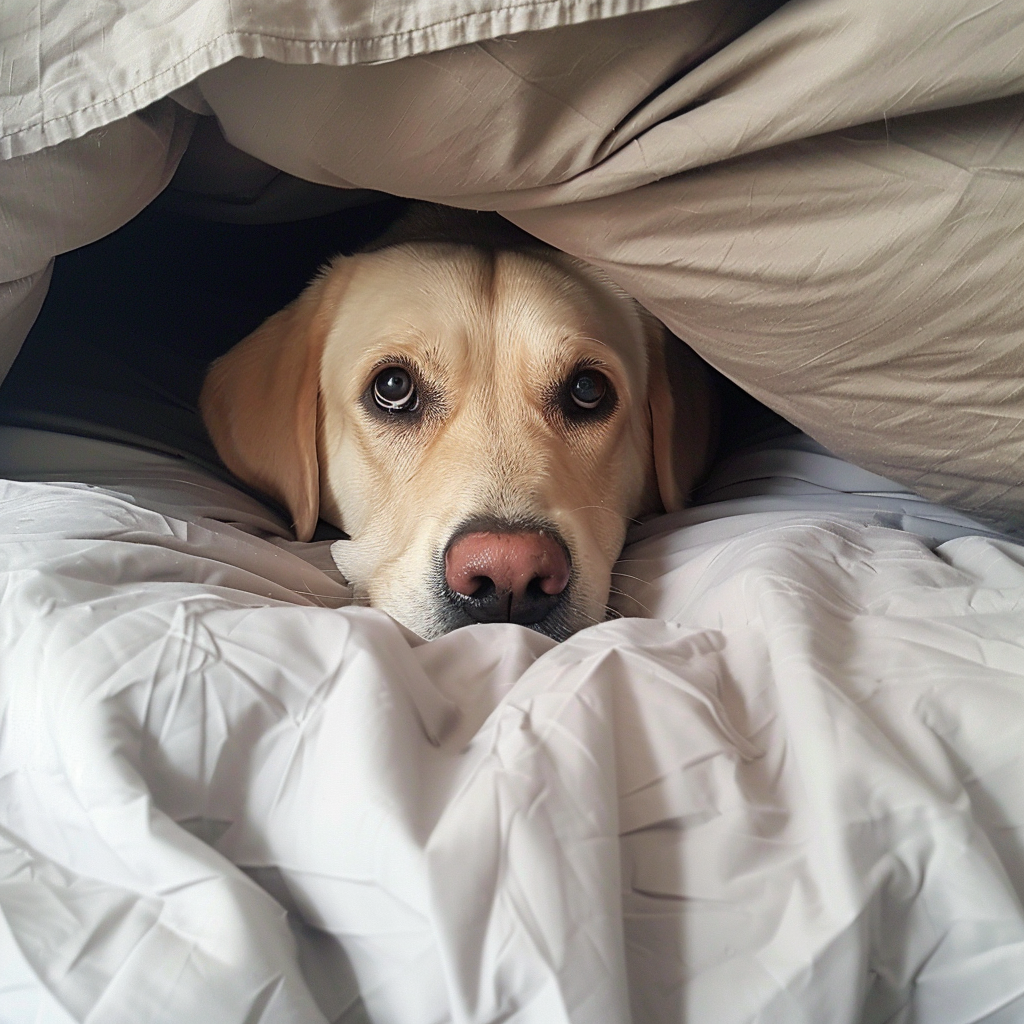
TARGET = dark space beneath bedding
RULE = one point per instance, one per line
(132, 321)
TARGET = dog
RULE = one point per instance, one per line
(481, 414)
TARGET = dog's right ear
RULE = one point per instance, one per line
(260, 401)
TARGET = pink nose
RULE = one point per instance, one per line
(507, 577)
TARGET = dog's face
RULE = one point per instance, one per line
(482, 423)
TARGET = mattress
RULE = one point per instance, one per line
(783, 784)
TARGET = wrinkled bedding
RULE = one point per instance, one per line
(792, 792)
(783, 786)
(824, 200)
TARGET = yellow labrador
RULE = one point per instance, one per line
(481, 414)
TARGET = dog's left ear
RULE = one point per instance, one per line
(682, 414)
(260, 401)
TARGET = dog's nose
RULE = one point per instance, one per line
(507, 577)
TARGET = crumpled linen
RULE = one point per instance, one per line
(69, 69)
(824, 202)
(792, 794)
(826, 206)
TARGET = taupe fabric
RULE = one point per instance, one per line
(68, 196)
(68, 68)
(825, 200)
(858, 273)
(574, 114)
(503, 124)
(88, 136)
(864, 284)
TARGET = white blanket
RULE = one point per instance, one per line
(795, 793)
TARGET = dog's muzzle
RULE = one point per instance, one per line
(506, 575)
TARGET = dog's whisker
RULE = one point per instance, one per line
(643, 612)
(639, 604)
(602, 508)
(630, 576)
(320, 599)
(325, 600)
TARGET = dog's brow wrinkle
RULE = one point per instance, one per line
(490, 282)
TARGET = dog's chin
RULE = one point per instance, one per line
(559, 625)
(431, 609)
(445, 617)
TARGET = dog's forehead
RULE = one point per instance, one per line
(504, 302)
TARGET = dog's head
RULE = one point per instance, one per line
(482, 422)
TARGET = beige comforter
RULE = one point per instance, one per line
(824, 199)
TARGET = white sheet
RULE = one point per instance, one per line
(793, 794)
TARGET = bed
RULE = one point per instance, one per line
(781, 783)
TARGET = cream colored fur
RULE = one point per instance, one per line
(490, 336)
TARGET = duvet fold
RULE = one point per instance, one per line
(790, 794)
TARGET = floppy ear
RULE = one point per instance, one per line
(682, 414)
(260, 401)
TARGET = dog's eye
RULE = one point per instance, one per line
(394, 390)
(587, 388)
